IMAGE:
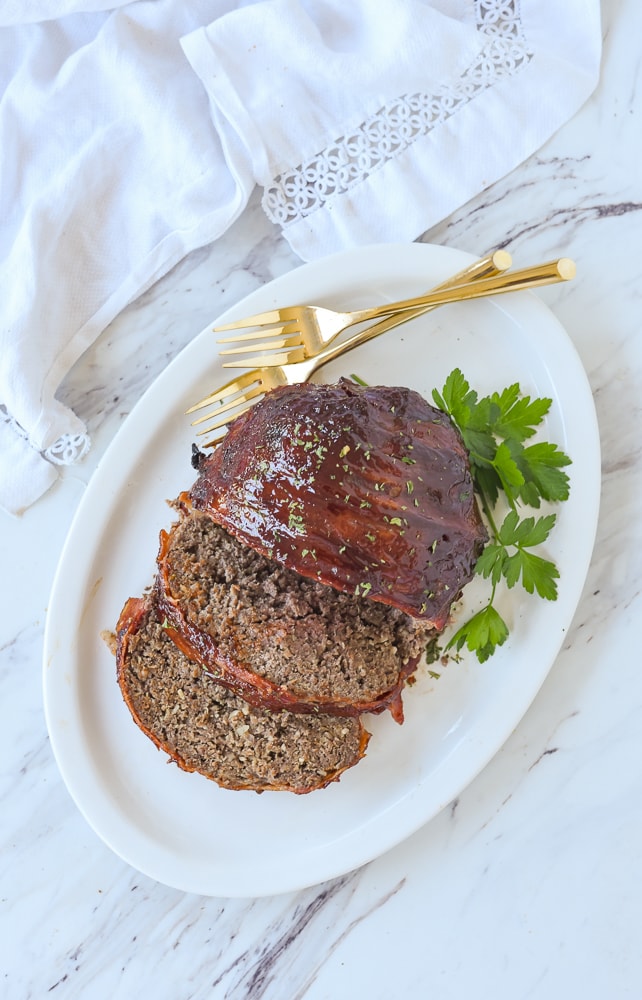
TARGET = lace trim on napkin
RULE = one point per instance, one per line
(352, 158)
(66, 450)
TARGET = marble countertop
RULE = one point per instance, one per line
(529, 884)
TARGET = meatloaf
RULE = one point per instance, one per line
(205, 727)
(318, 552)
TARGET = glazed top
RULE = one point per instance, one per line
(365, 488)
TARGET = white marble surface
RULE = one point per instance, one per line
(530, 884)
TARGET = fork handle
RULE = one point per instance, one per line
(403, 316)
(495, 263)
(528, 277)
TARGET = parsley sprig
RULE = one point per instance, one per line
(512, 473)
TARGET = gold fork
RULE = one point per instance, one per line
(307, 329)
(240, 393)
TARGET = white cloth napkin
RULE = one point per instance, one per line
(133, 133)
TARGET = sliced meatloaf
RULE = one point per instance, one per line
(205, 727)
(278, 638)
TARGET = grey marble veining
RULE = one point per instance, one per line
(528, 884)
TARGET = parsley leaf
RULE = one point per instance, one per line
(519, 416)
(543, 464)
(457, 398)
(527, 532)
(491, 562)
(534, 573)
(481, 634)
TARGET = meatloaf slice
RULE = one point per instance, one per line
(278, 638)
(205, 727)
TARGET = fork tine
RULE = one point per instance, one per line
(271, 331)
(260, 319)
(290, 357)
(234, 386)
(271, 345)
(231, 404)
(222, 421)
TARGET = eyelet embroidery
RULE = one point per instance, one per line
(66, 450)
(353, 158)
